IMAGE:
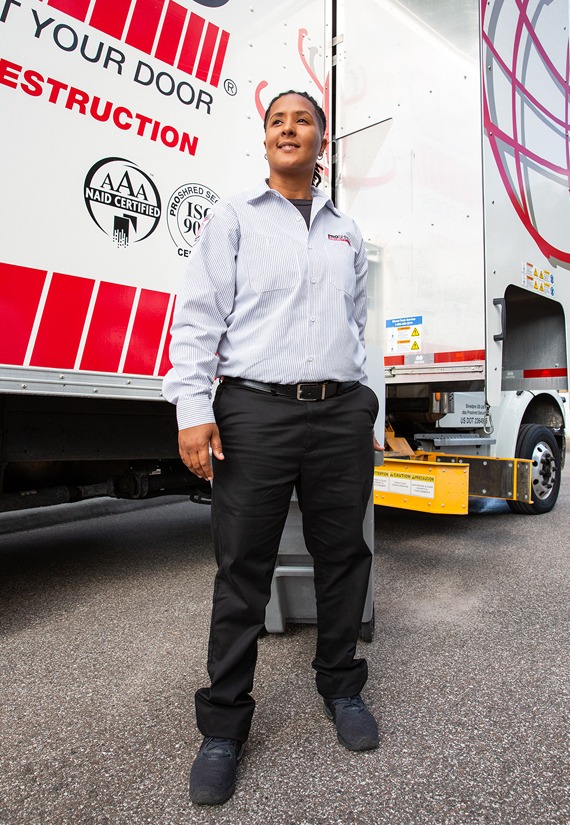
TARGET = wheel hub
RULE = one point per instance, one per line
(543, 470)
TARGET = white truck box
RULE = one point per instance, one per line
(453, 156)
(124, 120)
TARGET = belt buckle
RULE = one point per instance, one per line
(316, 393)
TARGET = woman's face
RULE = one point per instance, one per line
(293, 137)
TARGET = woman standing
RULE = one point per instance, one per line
(274, 303)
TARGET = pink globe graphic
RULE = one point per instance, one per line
(526, 108)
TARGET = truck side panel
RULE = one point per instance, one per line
(123, 125)
(408, 123)
(527, 198)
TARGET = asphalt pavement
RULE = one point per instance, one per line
(104, 624)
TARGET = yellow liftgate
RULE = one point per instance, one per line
(438, 483)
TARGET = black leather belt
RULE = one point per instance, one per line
(306, 391)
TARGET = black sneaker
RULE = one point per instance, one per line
(213, 774)
(356, 728)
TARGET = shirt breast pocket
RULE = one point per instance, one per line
(272, 263)
(341, 266)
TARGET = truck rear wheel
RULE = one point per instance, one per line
(539, 444)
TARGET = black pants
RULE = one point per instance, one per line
(272, 445)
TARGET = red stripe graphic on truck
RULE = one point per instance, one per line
(144, 25)
(20, 292)
(110, 16)
(62, 322)
(202, 44)
(75, 8)
(66, 322)
(147, 332)
(171, 33)
(108, 328)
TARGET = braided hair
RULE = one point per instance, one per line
(321, 118)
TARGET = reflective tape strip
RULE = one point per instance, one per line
(558, 372)
(457, 356)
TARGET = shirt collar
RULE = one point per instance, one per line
(263, 191)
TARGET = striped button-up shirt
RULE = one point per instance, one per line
(266, 299)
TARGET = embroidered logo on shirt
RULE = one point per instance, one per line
(339, 238)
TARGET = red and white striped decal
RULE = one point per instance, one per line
(200, 46)
(68, 322)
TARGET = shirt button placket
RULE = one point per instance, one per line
(312, 299)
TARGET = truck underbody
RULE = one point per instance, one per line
(55, 450)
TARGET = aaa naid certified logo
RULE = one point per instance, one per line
(188, 207)
(122, 200)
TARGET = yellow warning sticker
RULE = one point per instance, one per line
(542, 280)
(403, 335)
(408, 484)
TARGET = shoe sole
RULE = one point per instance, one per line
(208, 799)
(363, 745)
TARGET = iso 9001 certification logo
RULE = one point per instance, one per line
(122, 200)
(187, 208)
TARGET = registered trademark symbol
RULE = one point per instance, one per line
(230, 87)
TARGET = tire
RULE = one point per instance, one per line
(367, 629)
(539, 444)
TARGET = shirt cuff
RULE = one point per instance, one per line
(190, 412)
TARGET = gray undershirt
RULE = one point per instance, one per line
(304, 207)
